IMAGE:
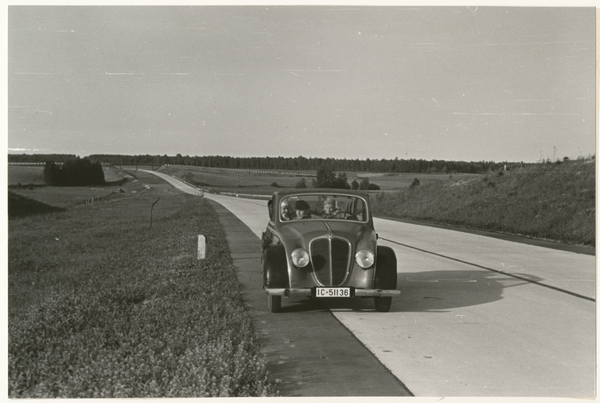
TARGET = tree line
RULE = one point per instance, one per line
(40, 158)
(307, 164)
(74, 172)
(282, 163)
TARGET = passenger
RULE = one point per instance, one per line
(286, 211)
(329, 208)
(302, 210)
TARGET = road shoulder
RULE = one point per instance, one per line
(586, 250)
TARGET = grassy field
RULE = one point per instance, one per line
(34, 174)
(64, 197)
(550, 201)
(109, 300)
(255, 182)
(214, 179)
(25, 174)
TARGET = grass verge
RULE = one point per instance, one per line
(548, 201)
(101, 304)
(19, 206)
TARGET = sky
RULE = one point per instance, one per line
(447, 83)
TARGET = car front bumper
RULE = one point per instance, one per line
(358, 292)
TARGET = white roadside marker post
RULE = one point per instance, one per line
(201, 247)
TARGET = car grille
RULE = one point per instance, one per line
(330, 258)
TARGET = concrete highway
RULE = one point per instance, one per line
(478, 316)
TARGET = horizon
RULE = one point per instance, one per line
(343, 82)
(557, 159)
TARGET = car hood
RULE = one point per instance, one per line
(298, 234)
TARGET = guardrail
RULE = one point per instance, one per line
(33, 163)
(246, 170)
(246, 196)
(231, 194)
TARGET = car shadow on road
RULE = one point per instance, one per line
(441, 291)
(301, 304)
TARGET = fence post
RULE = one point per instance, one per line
(201, 247)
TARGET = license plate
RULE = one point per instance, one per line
(333, 292)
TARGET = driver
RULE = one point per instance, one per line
(329, 208)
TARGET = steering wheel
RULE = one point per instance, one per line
(347, 215)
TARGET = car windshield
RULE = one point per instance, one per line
(322, 207)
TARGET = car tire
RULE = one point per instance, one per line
(383, 304)
(274, 303)
(386, 277)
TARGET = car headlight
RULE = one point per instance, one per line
(365, 258)
(300, 258)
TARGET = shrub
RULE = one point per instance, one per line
(414, 184)
(364, 184)
(77, 172)
(326, 178)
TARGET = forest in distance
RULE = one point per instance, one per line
(282, 163)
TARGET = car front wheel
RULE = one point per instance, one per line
(274, 303)
(383, 304)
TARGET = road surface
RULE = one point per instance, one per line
(478, 316)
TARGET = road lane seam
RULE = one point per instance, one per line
(574, 294)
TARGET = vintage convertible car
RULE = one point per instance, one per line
(321, 243)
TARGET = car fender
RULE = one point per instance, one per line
(386, 277)
(275, 267)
